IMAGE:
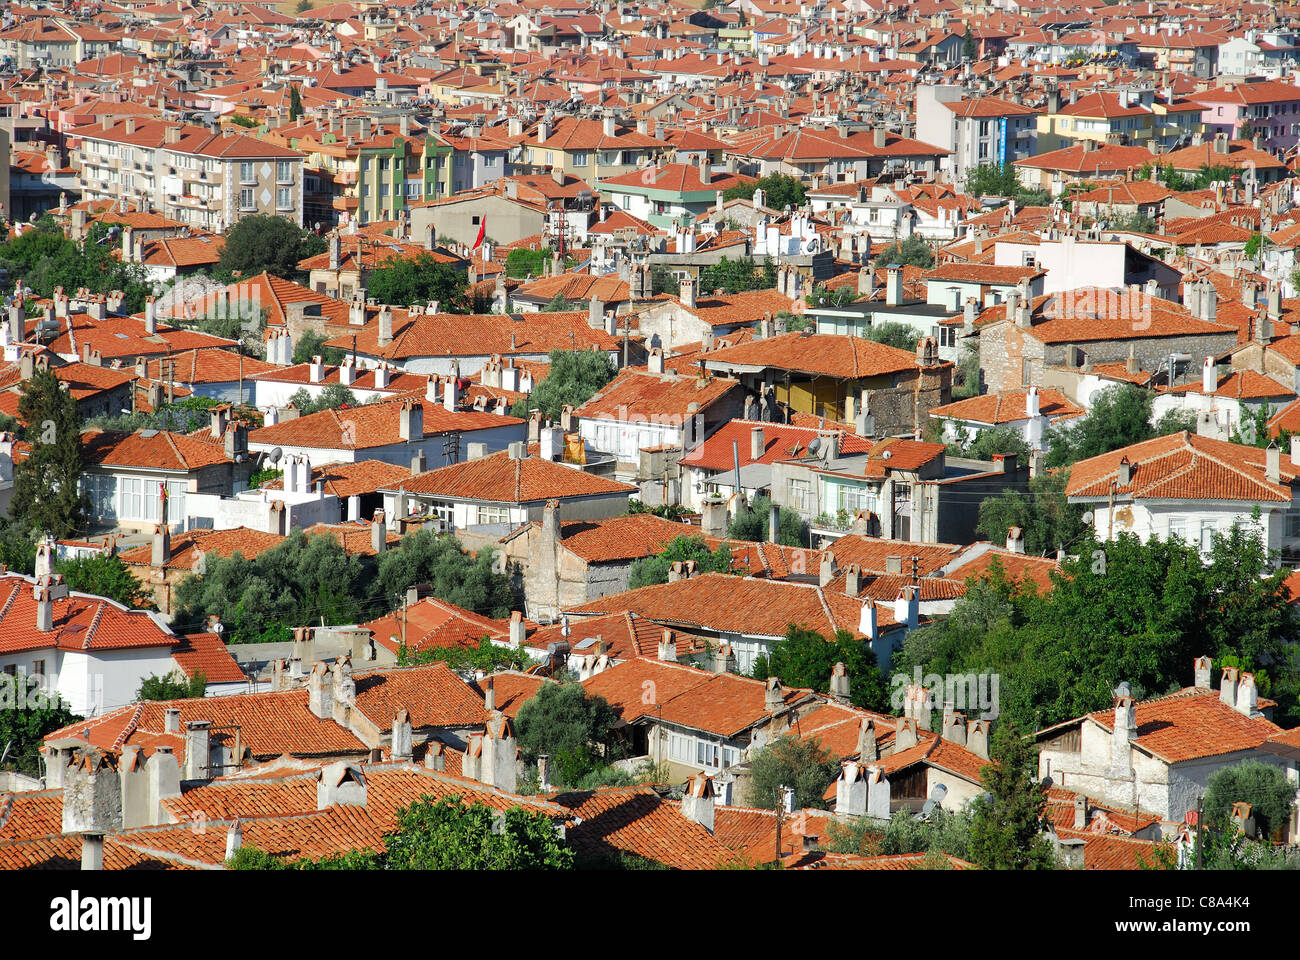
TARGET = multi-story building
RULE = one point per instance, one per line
(202, 176)
(1270, 108)
(986, 130)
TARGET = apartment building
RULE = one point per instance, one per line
(985, 130)
(202, 176)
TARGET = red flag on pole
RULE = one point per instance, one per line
(482, 232)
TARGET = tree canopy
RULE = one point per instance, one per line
(105, 575)
(443, 834)
(1046, 518)
(913, 251)
(789, 761)
(737, 276)
(267, 243)
(779, 191)
(654, 568)
(561, 721)
(310, 579)
(402, 281)
(172, 686)
(573, 378)
(47, 482)
(1265, 787)
(1123, 610)
(44, 259)
(753, 525)
(804, 658)
(1007, 825)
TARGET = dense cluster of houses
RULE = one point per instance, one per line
(1069, 203)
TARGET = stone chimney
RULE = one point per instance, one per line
(1123, 735)
(840, 684)
(1201, 669)
(378, 533)
(698, 801)
(400, 747)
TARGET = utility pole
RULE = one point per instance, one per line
(1199, 865)
(780, 817)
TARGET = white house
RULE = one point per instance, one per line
(1188, 486)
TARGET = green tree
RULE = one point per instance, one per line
(663, 280)
(992, 180)
(1120, 416)
(573, 378)
(443, 834)
(913, 251)
(892, 334)
(331, 398)
(312, 344)
(1044, 515)
(47, 482)
(779, 191)
(1123, 611)
(990, 441)
(484, 656)
(788, 761)
(470, 581)
(942, 832)
(969, 49)
(804, 658)
(266, 243)
(43, 258)
(105, 575)
(752, 524)
(17, 546)
(967, 375)
(523, 262)
(27, 714)
(1007, 825)
(1265, 787)
(172, 686)
(561, 721)
(301, 580)
(295, 98)
(401, 281)
(737, 276)
(654, 568)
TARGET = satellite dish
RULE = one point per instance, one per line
(937, 794)
(275, 455)
(1087, 516)
(814, 446)
(1123, 690)
(1046, 783)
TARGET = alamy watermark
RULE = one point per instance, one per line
(967, 692)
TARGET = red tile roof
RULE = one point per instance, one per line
(500, 479)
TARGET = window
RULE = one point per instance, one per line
(132, 498)
(580, 158)
(493, 515)
(284, 198)
(706, 754)
(679, 748)
(102, 493)
(1026, 373)
(284, 171)
(1207, 535)
(246, 174)
(246, 199)
(1291, 523)
(799, 490)
(38, 668)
